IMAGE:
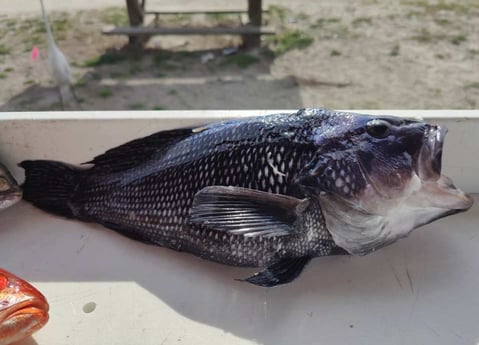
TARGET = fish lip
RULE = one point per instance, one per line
(458, 201)
(429, 163)
(37, 304)
(10, 198)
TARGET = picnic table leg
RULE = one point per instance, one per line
(136, 16)
(254, 13)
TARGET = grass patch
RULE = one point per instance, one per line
(432, 8)
(395, 50)
(242, 60)
(321, 23)
(172, 92)
(37, 40)
(335, 52)
(184, 54)
(424, 36)
(474, 85)
(162, 58)
(105, 92)
(4, 50)
(267, 53)
(40, 30)
(134, 68)
(362, 20)
(163, 61)
(222, 18)
(105, 59)
(81, 83)
(458, 39)
(116, 16)
(471, 53)
(413, 14)
(442, 21)
(61, 24)
(29, 82)
(31, 25)
(8, 69)
(96, 76)
(331, 28)
(3, 75)
(117, 75)
(293, 39)
(278, 12)
(136, 106)
(165, 57)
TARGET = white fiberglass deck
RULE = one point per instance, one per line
(421, 290)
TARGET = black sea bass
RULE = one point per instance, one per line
(270, 192)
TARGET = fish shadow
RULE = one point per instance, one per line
(331, 291)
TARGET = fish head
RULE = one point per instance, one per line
(379, 178)
(10, 191)
(23, 309)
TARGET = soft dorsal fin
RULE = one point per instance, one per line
(247, 212)
(134, 152)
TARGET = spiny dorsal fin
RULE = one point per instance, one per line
(246, 212)
(134, 152)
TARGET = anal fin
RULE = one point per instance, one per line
(282, 272)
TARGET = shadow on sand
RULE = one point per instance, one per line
(166, 79)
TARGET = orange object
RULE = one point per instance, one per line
(23, 309)
(35, 53)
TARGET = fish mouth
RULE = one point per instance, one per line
(438, 188)
(10, 198)
(429, 162)
(34, 307)
(23, 319)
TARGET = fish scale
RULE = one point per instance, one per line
(165, 222)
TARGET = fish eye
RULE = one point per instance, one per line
(378, 128)
(4, 185)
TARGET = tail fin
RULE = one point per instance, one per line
(50, 185)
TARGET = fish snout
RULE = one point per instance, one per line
(11, 197)
(23, 309)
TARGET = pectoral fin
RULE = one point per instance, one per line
(246, 212)
(282, 272)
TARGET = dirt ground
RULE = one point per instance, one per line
(366, 54)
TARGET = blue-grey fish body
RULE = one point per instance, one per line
(272, 191)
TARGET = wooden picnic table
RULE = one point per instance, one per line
(138, 33)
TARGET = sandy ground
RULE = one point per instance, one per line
(364, 54)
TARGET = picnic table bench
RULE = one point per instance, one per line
(138, 34)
